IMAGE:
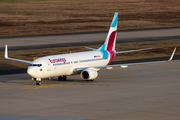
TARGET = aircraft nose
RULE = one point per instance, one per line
(31, 71)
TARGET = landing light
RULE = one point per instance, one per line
(124, 66)
(109, 67)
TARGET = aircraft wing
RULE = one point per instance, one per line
(126, 65)
(6, 57)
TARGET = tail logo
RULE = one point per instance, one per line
(111, 41)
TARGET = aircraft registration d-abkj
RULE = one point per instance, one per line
(87, 64)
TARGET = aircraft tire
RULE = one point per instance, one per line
(60, 78)
(38, 82)
(64, 78)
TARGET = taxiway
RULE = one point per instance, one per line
(138, 92)
(77, 39)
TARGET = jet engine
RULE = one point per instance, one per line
(89, 74)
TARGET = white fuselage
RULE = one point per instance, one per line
(64, 64)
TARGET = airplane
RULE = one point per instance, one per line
(87, 63)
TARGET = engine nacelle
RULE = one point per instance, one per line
(89, 74)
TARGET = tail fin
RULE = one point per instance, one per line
(110, 42)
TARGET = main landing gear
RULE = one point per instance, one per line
(38, 81)
(90, 80)
(62, 78)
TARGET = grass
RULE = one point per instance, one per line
(25, 1)
(32, 17)
(161, 48)
(10, 1)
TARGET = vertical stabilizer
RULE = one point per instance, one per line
(111, 37)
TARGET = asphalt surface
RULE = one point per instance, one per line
(77, 39)
(148, 92)
(141, 92)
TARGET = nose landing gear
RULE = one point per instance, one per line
(90, 80)
(38, 81)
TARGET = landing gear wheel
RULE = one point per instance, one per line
(38, 82)
(60, 78)
(64, 78)
(90, 80)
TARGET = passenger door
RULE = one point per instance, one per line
(48, 65)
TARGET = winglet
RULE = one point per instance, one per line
(6, 52)
(6, 57)
(172, 55)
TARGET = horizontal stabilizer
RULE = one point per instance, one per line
(133, 50)
(91, 48)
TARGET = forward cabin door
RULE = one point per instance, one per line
(48, 65)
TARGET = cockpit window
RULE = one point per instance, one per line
(38, 65)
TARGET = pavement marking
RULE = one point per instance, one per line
(176, 70)
(54, 85)
(45, 85)
(8, 88)
(40, 86)
(51, 84)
